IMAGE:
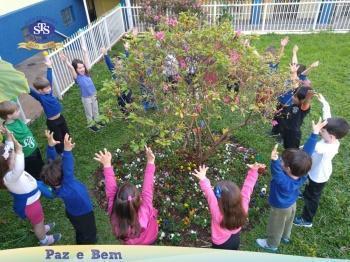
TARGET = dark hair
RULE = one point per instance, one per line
(75, 63)
(230, 204)
(7, 108)
(301, 69)
(271, 49)
(337, 127)
(124, 216)
(301, 92)
(41, 83)
(4, 165)
(298, 161)
(51, 173)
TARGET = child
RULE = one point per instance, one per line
(302, 70)
(272, 58)
(132, 215)
(9, 111)
(291, 117)
(59, 174)
(228, 206)
(288, 175)
(126, 96)
(24, 189)
(321, 169)
(80, 73)
(43, 93)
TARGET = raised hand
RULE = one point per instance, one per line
(274, 153)
(104, 157)
(318, 126)
(256, 166)
(150, 156)
(50, 140)
(68, 145)
(201, 174)
(103, 51)
(284, 41)
(295, 49)
(293, 68)
(63, 57)
(321, 98)
(315, 64)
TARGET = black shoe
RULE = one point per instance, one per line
(94, 128)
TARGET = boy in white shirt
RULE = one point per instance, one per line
(321, 169)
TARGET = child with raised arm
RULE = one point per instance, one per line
(126, 96)
(273, 58)
(228, 206)
(55, 122)
(132, 215)
(9, 111)
(80, 72)
(288, 175)
(23, 188)
(302, 69)
(321, 170)
(59, 174)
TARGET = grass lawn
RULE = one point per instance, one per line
(330, 236)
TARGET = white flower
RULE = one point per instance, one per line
(162, 235)
(118, 150)
(138, 186)
(167, 198)
(178, 234)
(193, 232)
(138, 159)
(200, 203)
(171, 235)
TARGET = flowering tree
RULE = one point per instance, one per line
(193, 75)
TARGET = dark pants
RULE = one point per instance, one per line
(85, 228)
(34, 163)
(125, 98)
(59, 129)
(232, 243)
(312, 195)
(291, 138)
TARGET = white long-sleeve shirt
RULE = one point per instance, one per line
(321, 169)
(19, 181)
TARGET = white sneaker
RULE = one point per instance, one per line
(262, 242)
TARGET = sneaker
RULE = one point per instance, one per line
(300, 222)
(263, 244)
(94, 128)
(51, 239)
(285, 240)
(49, 227)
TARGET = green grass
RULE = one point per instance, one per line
(330, 236)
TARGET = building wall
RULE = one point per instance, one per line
(103, 6)
(12, 23)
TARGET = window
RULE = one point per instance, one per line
(67, 16)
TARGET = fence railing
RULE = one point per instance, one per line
(291, 17)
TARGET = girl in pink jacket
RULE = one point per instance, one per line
(228, 206)
(132, 215)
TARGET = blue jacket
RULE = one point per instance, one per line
(73, 193)
(284, 190)
(49, 102)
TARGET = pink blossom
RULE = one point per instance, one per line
(238, 33)
(227, 99)
(211, 78)
(156, 18)
(182, 63)
(186, 47)
(171, 21)
(234, 56)
(237, 100)
(274, 123)
(165, 88)
(160, 35)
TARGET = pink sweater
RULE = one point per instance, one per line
(220, 235)
(147, 213)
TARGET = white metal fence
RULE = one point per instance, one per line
(291, 17)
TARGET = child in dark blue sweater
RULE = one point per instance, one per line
(59, 174)
(52, 108)
(288, 175)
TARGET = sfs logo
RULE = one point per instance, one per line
(41, 29)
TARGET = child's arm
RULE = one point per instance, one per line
(307, 101)
(108, 60)
(105, 158)
(208, 193)
(313, 65)
(295, 55)
(48, 63)
(249, 183)
(51, 153)
(34, 93)
(326, 109)
(310, 144)
(69, 65)
(86, 58)
(67, 159)
(148, 181)
(284, 42)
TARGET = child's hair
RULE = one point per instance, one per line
(301, 69)
(301, 92)
(126, 205)
(7, 108)
(271, 49)
(51, 173)
(41, 83)
(298, 161)
(229, 199)
(337, 127)
(4, 164)
(75, 63)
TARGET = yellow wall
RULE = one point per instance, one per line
(103, 6)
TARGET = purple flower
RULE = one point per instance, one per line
(171, 21)
(160, 35)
